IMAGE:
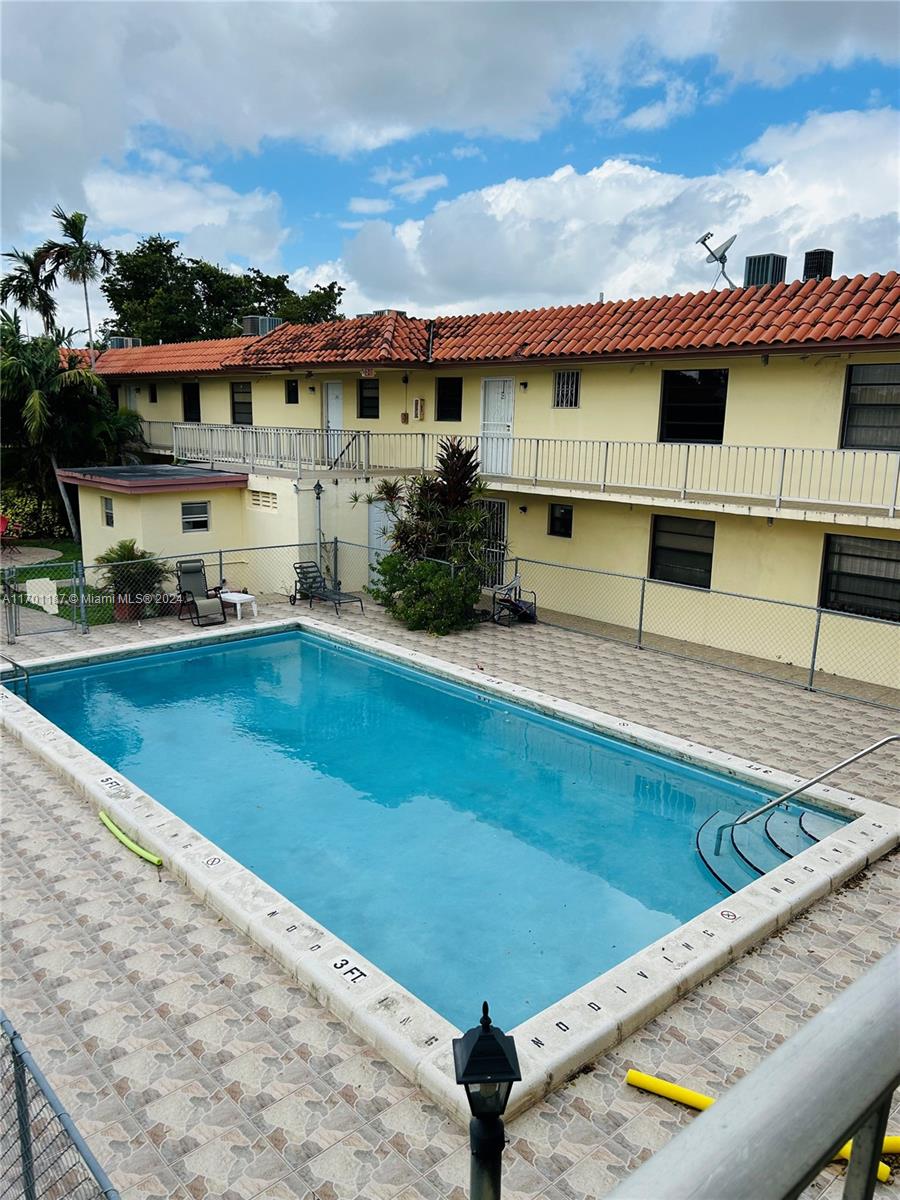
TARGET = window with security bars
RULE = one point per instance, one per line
(242, 404)
(266, 500)
(368, 405)
(861, 575)
(872, 407)
(566, 389)
(681, 550)
(195, 516)
(693, 406)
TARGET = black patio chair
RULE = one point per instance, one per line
(509, 603)
(310, 585)
(203, 603)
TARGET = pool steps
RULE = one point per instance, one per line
(752, 850)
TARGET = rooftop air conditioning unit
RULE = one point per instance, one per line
(764, 270)
(388, 312)
(124, 343)
(359, 316)
(258, 326)
(818, 264)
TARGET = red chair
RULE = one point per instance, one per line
(10, 532)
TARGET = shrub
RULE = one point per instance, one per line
(133, 576)
(428, 595)
(38, 518)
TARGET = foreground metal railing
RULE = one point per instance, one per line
(774, 476)
(43, 1154)
(775, 1130)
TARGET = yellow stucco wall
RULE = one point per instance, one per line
(792, 400)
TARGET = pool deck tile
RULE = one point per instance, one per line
(197, 1068)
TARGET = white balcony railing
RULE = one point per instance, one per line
(778, 476)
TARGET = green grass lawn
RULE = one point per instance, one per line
(70, 551)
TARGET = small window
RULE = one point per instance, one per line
(241, 404)
(113, 389)
(872, 409)
(292, 391)
(195, 516)
(367, 405)
(266, 500)
(108, 518)
(559, 520)
(448, 399)
(566, 389)
(151, 388)
(682, 550)
(862, 575)
(693, 406)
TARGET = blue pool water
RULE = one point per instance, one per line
(469, 848)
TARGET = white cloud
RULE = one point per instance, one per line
(369, 205)
(347, 77)
(414, 190)
(627, 229)
(680, 100)
(467, 151)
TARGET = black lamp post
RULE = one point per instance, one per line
(487, 1066)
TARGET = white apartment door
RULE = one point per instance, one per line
(334, 418)
(497, 402)
(380, 525)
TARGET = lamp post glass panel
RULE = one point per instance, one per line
(487, 1066)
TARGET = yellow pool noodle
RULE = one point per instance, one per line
(126, 841)
(672, 1091)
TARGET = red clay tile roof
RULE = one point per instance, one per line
(847, 313)
(758, 318)
(172, 358)
(80, 354)
(389, 339)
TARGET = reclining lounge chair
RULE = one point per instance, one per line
(310, 584)
(510, 603)
(203, 604)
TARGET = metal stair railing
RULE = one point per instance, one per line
(763, 808)
(19, 671)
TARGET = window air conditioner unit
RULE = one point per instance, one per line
(124, 343)
(256, 326)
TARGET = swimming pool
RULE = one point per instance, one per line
(469, 847)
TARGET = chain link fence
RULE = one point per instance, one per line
(843, 654)
(42, 1154)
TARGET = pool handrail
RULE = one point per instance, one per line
(763, 808)
(17, 669)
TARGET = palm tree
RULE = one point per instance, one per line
(78, 259)
(29, 285)
(41, 389)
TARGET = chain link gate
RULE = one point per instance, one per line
(41, 598)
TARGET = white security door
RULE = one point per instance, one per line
(334, 418)
(497, 401)
(380, 523)
(496, 549)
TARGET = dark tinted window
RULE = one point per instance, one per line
(682, 550)
(190, 401)
(241, 404)
(693, 406)
(367, 407)
(448, 399)
(559, 521)
(153, 393)
(862, 575)
(291, 391)
(872, 410)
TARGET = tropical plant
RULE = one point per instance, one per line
(29, 285)
(41, 388)
(35, 516)
(134, 576)
(439, 531)
(76, 258)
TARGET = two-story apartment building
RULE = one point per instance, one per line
(742, 441)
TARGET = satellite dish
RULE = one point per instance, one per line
(718, 255)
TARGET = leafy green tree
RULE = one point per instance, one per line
(30, 286)
(41, 387)
(157, 295)
(76, 258)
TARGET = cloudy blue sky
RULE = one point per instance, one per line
(453, 157)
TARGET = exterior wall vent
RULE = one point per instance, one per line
(258, 326)
(818, 264)
(124, 343)
(762, 270)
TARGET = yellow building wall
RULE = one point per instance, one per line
(96, 537)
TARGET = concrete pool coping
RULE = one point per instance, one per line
(554, 1043)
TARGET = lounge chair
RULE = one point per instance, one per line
(509, 603)
(203, 604)
(310, 584)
